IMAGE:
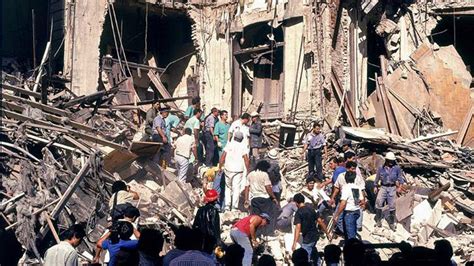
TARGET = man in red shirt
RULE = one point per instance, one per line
(244, 233)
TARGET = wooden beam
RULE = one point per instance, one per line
(339, 91)
(435, 136)
(21, 90)
(38, 105)
(465, 126)
(155, 79)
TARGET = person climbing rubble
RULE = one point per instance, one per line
(315, 142)
(236, 164)
(244, 233)
(387, 183)
(185, 147)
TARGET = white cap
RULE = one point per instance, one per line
(272, 154)
(390, 156)
(254, 113)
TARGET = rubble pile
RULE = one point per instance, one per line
(59, 158)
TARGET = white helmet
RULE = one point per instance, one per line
(390, 156)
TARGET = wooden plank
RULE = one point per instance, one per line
(21, 90)
(465, 126)
(434, 136)
(116, 160)
(339, 91)
(143, 148)
(159, 86)
(41, 106)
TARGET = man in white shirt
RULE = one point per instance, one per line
(351, 167)
(184, 145)
(352, 201)
(259, 191)
(64, 253)
(236, 163)
(241, 125)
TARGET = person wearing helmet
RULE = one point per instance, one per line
(388, 179)
(207, 217)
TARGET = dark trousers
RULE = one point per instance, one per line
(210, 147)
(315, 159)
(265, 205)
(165, 151)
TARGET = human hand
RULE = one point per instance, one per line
(376, 189)
(254, 243)
(293, 247)
(332, 203)
(165, 140)
(246, 204)
(96, 260)
(219, 144)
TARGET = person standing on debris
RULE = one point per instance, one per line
(339, 185)
(240, 125)
(236, 163)
(64, 253)
(207, 217)
(284, 219)
(244, 233)
(194, 123)
(274, 172)
(256, 138)
(159, 135)
(306, 221)
(208, 135)
(388, 181)
(195, 104)
(314, 143)
(352, 199)
(185, 146)
(150, 116)
(122, 194)
(221, 131)
(259, 191)
(172, 121)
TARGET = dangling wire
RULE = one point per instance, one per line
(146, 33)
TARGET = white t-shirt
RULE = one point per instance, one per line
(61, 254)
(184, 145)
(238, 126)
(258, 180)
(341, 181)
(234, 161)
(352, 194)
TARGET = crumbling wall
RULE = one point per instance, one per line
(82, 38)
(214, 56)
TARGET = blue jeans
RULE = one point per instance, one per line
(350, 223)
(339, 224)
(243, 240)
(309, 247)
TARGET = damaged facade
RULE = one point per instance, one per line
(401, 66)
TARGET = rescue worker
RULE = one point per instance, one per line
(390, 177)
(207, 218)
(314, 143)
(256, 137)
(208, 135)
(159, 135)
(150, 116)
(221, 131)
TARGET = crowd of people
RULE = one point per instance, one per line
(245, 179)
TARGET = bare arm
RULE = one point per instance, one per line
(270, 192)
(323, 226)
(254, 223)
(98, 247)
(334, 193)
(162, 134)
(247, 162)
(222, 160)
(342, 206)
(297, 235)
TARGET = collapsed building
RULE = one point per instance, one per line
(75, 93)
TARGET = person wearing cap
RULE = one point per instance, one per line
(221, 130)
(274, 172)
(314, 142)
(207, 217)
(236, 164)
(150, 117)
(256, 138)
(208, 135)
(259, 191)
(240, 125)
(388, 180)
(159, 135)
(306, 221)
(244, 233)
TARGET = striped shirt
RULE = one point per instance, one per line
(192, 258)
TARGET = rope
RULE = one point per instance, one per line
(120, 39)
(115, 39)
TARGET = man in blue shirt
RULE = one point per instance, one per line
(390, 177)
(315, 142)
(172, 121)
(338, 165)
(117, 238)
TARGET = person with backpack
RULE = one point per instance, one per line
(121, 195)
